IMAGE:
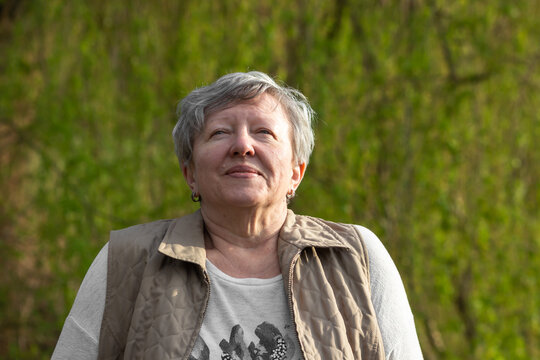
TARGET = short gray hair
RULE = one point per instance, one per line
(235, 87)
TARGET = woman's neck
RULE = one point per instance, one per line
(244, 243)
(244, 226)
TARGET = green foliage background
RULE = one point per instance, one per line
(428, 127)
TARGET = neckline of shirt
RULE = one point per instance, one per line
(215, 271)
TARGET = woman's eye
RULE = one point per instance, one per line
(217, 132)
(265, 132)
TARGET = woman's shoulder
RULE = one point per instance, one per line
(135, 244)
(378, 254)
(364, 241)
(141, 231)
(390, 301)
(156, 230)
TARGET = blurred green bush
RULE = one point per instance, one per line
(428, 122)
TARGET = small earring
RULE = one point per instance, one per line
(290, 195)
(195, 197)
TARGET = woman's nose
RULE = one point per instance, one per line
(242, 145)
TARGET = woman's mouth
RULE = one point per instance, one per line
(242, 171)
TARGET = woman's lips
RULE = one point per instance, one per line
(242, 171)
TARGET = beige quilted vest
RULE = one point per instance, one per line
(157, 290)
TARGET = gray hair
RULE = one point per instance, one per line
(235, 87)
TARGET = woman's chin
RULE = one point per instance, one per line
(243, 202)
(246, 200)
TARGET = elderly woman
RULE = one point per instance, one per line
(243, 277)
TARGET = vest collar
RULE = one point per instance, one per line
(184, 239)
(306, 231)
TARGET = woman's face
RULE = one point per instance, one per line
(243, 157)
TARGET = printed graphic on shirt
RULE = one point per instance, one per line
(272, 345)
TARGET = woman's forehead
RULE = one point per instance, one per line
(264, 104)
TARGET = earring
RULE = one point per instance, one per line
(290, 195)
(195, 197)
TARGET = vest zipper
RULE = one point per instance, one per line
(291, 309)
(201, 319)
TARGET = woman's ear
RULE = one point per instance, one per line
(189, 176)
(298, 174)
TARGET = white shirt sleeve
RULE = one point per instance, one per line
(389, 299)
(80, 335)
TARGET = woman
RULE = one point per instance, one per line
(243, 277)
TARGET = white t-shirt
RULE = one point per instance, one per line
(80, 336)
(246, 316)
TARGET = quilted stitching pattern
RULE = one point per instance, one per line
(156, 293)
(150, 313)
(335, 318)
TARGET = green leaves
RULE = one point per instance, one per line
(428, 116)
